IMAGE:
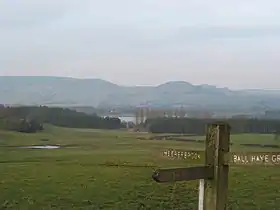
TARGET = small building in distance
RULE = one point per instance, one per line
(200, 114)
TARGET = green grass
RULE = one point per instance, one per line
(112, 170)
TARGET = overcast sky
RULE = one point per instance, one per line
(131, 42)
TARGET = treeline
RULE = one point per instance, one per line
(21, 125)
(198, 126)
(14, 118)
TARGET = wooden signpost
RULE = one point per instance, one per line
(213, 175)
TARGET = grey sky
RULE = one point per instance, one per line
(225, 43)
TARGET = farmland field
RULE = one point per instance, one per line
(97, 169)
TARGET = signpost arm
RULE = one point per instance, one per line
(217, 146)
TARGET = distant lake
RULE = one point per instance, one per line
(125, 118)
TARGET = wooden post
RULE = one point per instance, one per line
(217, 148)
(213, 193)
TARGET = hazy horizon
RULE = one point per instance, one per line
(227, 44)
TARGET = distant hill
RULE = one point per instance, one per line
(61, 91)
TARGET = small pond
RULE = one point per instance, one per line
(41, 147)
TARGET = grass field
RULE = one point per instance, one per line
(112, 170)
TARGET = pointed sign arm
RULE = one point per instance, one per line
(183, 174)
